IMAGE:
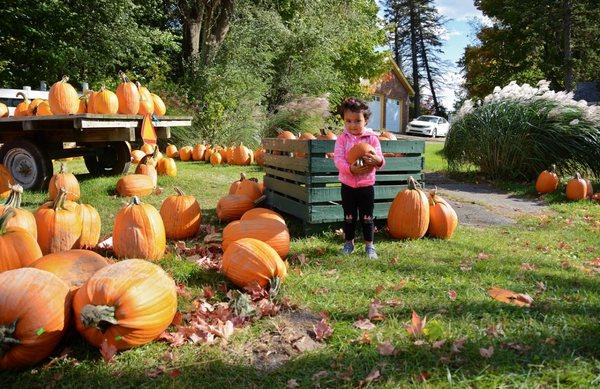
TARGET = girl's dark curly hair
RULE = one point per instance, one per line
(354, 105)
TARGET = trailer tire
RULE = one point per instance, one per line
(28, 163)
(111, 160)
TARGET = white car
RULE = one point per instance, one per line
(428, 125)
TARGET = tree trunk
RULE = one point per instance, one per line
(397, 55)
(426, 63)
(415, 63)
(568, 65)
(220, 30)
(192, 13)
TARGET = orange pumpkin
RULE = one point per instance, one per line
(248, 187)
(146, 167)
(259, 156)
(270, 231)
(3, 110)
(139, 232)
(241, 155)
(6, 180)
(577, 188)
(216, 159)
(159, 106)
(232, 207)
(90, 227)
(260, 213)
(284, 134)
(185, 153)
(106, 102)
(128, 96)
(43, 109)
(198, 152)
(146, 101)
(58, 224)
(408, 216)
(547, 181)
(74, 267)
(129, 303)
(386, 135)
(250, 260)
(359, 150)
(82, 106)
(326, 135)
(236, 184)
(137, 155)
(32, 109)
(17, 247)
(66, 180)
(442, 218)
(304, 136)
(167, 167)
(207, 154)
(135, 185)
(63, 98)
(181, 215)
(23, 218)
(147, 148)
(90, 105)
(225, 155)
(171, 151)
(34, 316)
(22, 109)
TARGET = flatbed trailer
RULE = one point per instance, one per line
(30, 143)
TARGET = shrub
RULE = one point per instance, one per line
(519, 131)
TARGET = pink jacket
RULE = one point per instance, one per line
(343, 144)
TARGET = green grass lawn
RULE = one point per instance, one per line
(556, 342)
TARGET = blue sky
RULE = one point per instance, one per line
(457, 34)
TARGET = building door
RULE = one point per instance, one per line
(392, 115)
(375, 119)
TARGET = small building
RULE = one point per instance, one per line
(389, 105)
(588, 91)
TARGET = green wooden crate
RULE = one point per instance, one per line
(308, 187)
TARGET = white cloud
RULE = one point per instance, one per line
(452, 80)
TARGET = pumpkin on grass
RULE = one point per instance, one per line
(216, 158)
(135, 185)
(6, 180)
(58, 224)
(259, 156)
(129, 303)
(34, 316)
(232, 207)
(171, 151)
(241, 155)
(408, 216)
(22, 218)
(249, 260)
(90, 227)
(547, 181)
(577, 188)
(146, 167)
(246, 187)
(258, 213)
(17, 247)
(198, 152)
(181, 215)
(167, 167)
(185, 153)
(139, 232)
(63, 98)
(271, 231)
(64, 179)
(74, 267)
(442, 217)
(128, 96)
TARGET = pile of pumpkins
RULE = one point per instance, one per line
(150, 165)
(578, 188)
(244, 194)
(128, 99)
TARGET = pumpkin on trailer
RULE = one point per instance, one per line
(232, 207)
(146, 167)
(185, 153)
(547, 181)
(181, 215)
(284, 134)
(90, 227)
(34, 316)
(216, 159)
(105, 102)
(167, 167)
(22, 218)
(171, 151)
(22, 109)
(576, 188)
(64, 179)
(159, 106)
(139, 232)
(260, 213)
(43, 109)
(82, 105)
(408, 216)
(17, 247)
(3, 110)
(129, 303)
(63, 98)
(198, 152)
(270, 231)
(128, 96)
(442, 217)
(358, 151)
(248, 260)
(137, 155)
(6, 180)
(58, 224)
(32, 108)
(74, 267)
(146, 101)
(135, 185)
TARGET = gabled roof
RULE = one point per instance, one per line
(400, 75)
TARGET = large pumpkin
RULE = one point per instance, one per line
(250, 260)
(259, 213)
(58, 224)
(359, 150)
(408, 216)
(232, 207)
(17, 247)
(241, 155)
(326, 135)
(90, 227)
(216, 159)
(34, 316)
(137, 155)
(63, 98)
(198, 152)
(442, 218)
(159, 106)
(128, 96)
(185, 153)
(22, 109)
(23, 218)
(167, 167)
(106, 102)
(6, 180)
(129, 303)
(386, 135)
(147, 148)
(82, 105)
(135, 185)
(64, 179)
(139, 232)
(248, 187)
(576, 188)
(146, 167)
(547, 181)
(270, 231)
(32, 108)
(181, 215)
(74, 267)
(236, 184)
(171, 151)
(284, 134)
(146, 101)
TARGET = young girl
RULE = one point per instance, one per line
(358, 193)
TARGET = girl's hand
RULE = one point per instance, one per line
(356, 169)
(372, 160)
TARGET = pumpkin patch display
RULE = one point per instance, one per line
(442, 217)
(64, 179)
(135, 185)
(17, 247)
(139, 232)
(129, 303)
(146, 101)
(259, 213)
(167, 167)
(105, 102)
(63, 98)
(270, 231)
(43, 109)
(34, 316)
(146, 167)
(22, 109)
(58, 224)
(198, 152)
(32, 109)
(90, 227)
(181, 215)
(159, 106)
(3, 110)
(137, 155)
(408, 216)
(241, 155)
(547, 181)
(248, 187)
(128, 96)
(232, 207)
(216, 159)
(577, 188)
(6, 180)
(185, 153)
(22, 218)
(249, 260)
(259, 156)
(171, 151)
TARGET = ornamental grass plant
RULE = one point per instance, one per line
(518, 131)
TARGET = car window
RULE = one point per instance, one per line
(432, 119)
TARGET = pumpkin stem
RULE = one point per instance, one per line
(98, 316)
(413, 184)
(155, 152)
(8, 213)
(14, 199)
(577, 176)
(60, 199)
(274, 286)
(25, 99)
(242, 176)
(6, 337)
(179, 191)
(135, 201)
(552, 168)
(63, 168)
(64, 79)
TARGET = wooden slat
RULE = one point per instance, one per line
(387, 146)
(300, 178)
(382, 192)
(289, 145)
(326, 165)
(293, 190)
(92, 123)
(287, 205)
(285, 162)
(380, 177)
(173, 123)
(91, 135)
(163, 132)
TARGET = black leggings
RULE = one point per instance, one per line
(355, 201)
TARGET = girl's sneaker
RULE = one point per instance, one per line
(371, 253)
(348, 248)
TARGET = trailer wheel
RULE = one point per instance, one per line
(29, 164)
(111, 160)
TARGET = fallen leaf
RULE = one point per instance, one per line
(365, 338)
(495, 330)
(320, 374)
(386, 348)
(540, 287)
(466, 266)
(322, 330)
(551, 341)
(393, 302)
(458, 345)
(305, 344)
(417, 325)
(374, 314)
(399, 285)
(108, 351)
(528, 266)
(518, 347)
(510, 297)
(177, 319)
(379, 289)
(486, 352)
(438, 344)
(174, 373)
(182, 291)
(364, 324)
(419, 342)
(208, 292)
(373, 376)
(292, 384)
(564, 245)
(158, 191)
(423, 376)
(452, 295)
(483, 256)
(595, 262)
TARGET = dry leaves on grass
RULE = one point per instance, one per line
(452, 295)
(323, 330)
(364, 324)
(510, 297)
(416, 326)
(386, 348)
(486, 352)
(374, 314)
(108, 351)
(374, 375)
